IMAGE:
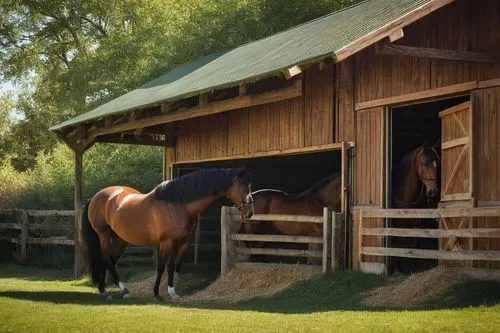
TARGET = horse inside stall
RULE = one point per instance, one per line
(164, 218)
(324, 193)
(414, 175)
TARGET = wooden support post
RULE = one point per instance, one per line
(326, 224)
(23, 221)
(197, 241)
(225, 229)
(335, 244)
(357, 239)
(79, 260)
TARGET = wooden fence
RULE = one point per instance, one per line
(361, 230)
(23, 225)
(329, 240)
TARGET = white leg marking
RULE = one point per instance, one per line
(121, 286)
(171, 292)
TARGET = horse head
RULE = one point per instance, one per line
(427, 160)
(240, 192)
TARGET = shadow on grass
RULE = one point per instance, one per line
(339, 291)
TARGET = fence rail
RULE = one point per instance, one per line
(360, 230)
(230, 238)
(24, 227)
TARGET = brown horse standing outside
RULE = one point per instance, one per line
(415, 185)
(164, 218)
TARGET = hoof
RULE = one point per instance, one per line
(126, 296)
(107, 297)
(158, 298)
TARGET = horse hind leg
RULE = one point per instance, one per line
(174, 266)
(162, 255)
(108, 261)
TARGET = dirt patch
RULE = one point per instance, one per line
(239, 284)
(184, 284)
(414, 291)
(249, 282)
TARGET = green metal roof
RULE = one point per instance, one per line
(263, 58)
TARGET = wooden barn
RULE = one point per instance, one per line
(353, 92)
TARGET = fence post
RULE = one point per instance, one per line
(326, 224)
(356, 239)
(336, 219)
(23, 221)
(224, 233)
(196, 241)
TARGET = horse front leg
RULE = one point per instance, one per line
(162, 256)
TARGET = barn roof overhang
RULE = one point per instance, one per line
(235, 79)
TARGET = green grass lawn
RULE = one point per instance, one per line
(34, 300)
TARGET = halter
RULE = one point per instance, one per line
(244, 202)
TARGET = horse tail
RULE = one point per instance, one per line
(93, 245)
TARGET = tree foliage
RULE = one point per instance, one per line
(68, 56)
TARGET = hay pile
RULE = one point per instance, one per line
(248, 282)
(415, 291)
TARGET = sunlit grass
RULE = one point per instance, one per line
(34, 300)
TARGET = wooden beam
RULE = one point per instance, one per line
(16, 226)
(280, 252)
(277, 238)
(130, 140)
(79, 262)
(292, 71)
(431, 213)
(372, 267)
(433, 233)
(203, 99)
(389, 29)
(432, 254)
(208, 109)
(432, 53)
(455, 109)
(280, 152)
(455, 143)
(456, 196)
(489, 83)
(420, 96)
(397, 34)
(242, 89)
(286, 218)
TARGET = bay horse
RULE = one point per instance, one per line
(324, 193)
(164, 218)
(415, 185)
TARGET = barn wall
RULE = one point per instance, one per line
(487, 163)
(459, 26)
(463, 25)
(304, 121)
(368, 169)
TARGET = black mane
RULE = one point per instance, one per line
(199, 184)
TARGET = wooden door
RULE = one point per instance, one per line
(456, 174)
(456, 153)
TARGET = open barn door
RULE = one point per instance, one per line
(456, 153)
(456, 173)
